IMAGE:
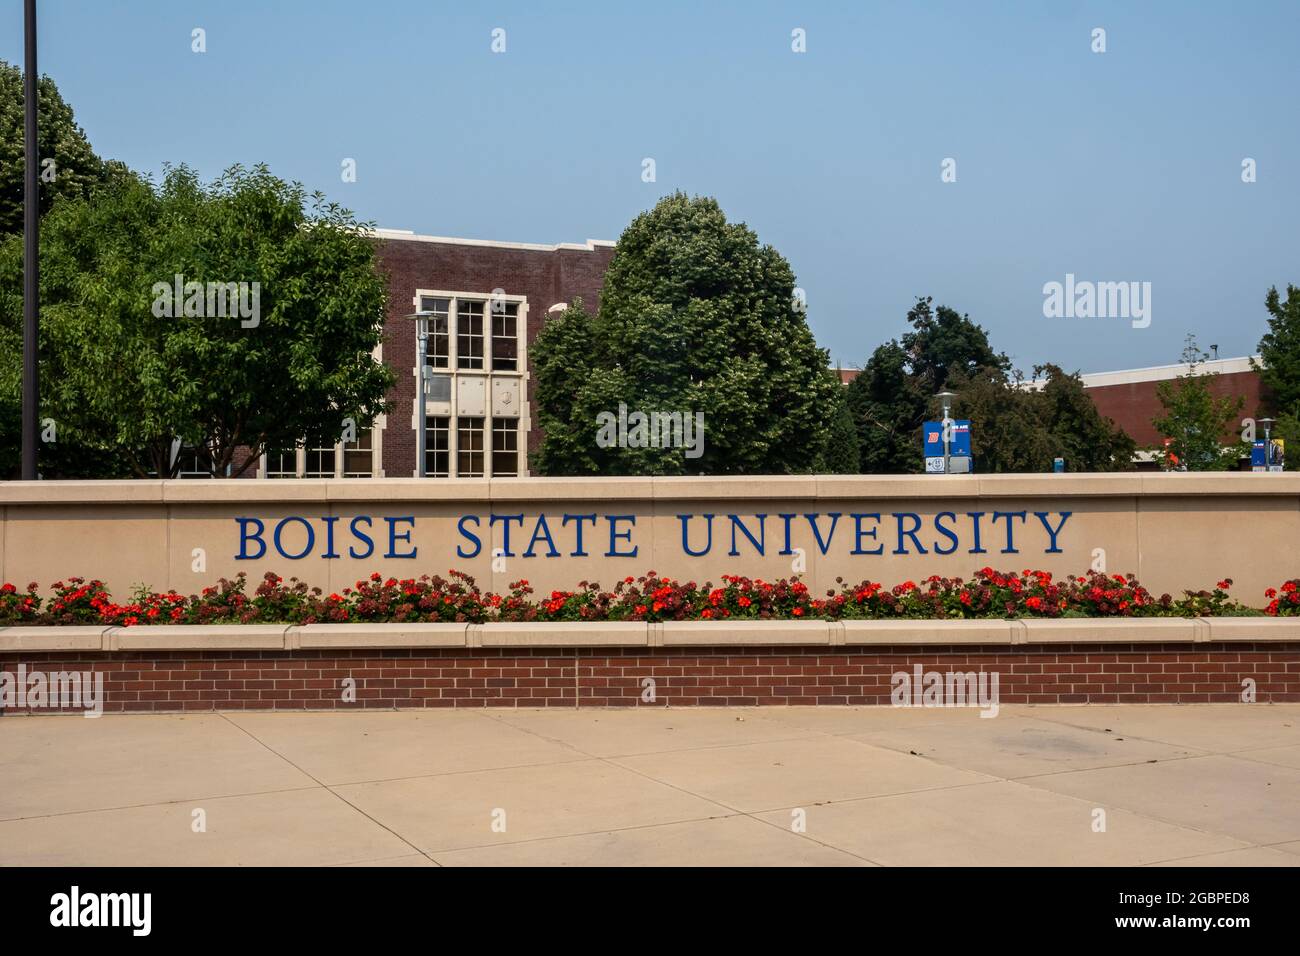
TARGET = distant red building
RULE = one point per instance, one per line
(1128, 397)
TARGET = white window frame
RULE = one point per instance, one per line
(487, 373)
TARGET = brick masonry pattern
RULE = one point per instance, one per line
(313, 679)
(545, 277)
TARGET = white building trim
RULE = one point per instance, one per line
(1159, 373)
(408, 235)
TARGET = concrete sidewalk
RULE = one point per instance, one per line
(1198, 784)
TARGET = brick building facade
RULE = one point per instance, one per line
(480, 305)
(1129, 397)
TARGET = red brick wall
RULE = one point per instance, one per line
(311, 680)
(1133, 406)
(544, 277)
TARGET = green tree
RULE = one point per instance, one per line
(1279, 351)
(695, 316)
(840, 454)
(1018, 428)
(1014, 427)
(944, 343)
(887, 408)
(561, 356)
(126, 370)
(1198, 424)
(1009, 432)
(1076, 430)
(893, 394)
(69, 167)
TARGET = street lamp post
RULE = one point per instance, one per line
(31, 231)
(946, 398)
(421, 349)
(1268, 444)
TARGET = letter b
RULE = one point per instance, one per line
(245, 538)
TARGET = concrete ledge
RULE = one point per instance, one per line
(731, 633)
(376, 635)
(927, 632)
(1253, 628)
(782, 487)
(197, 637)
(115, 492)
(1082, 630)
(1220, 483)
(741, 633)
(561, 634)
(18, 639)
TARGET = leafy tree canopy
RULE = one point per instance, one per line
(695, 316)
(1280, 373)
(1280, 351)
(69, 167)
(273, 345)
(1199, 425)
(1014, 427)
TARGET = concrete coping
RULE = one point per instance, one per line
(731, 633)
(647, 490)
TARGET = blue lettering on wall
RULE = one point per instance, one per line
(615, 535)
(307, 546)
(812, 523)
(577, 552)
(542, 531)
(946, 532)
(469, 535)
(245, 537)
(686, 543)
(1042, 516)
(394, 537)
(786, 519)
(361, 536)
(859, 533)
(758, 542)
(330, 521)
(296, 537)
(915, 521)
(1011, 542)
(505, 534)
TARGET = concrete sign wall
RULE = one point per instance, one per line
(1174, 531)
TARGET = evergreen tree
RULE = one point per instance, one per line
(695, 316)
(1279, 350)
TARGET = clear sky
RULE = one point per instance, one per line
(1117, 166)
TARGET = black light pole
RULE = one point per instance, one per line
(31, 226)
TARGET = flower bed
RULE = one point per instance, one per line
(457, 598)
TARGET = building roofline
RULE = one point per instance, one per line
(407, 235)
(1160, 373)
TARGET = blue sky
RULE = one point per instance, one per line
(1118, 166)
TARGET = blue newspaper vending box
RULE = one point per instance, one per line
(959, 449)
(1267, 456)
